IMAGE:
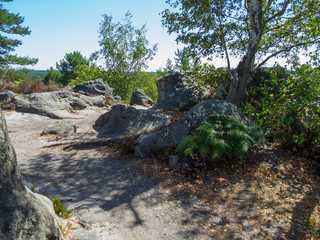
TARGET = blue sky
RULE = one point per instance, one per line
(63, 26)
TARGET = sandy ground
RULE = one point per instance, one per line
(110, 200)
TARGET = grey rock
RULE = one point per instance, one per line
(83, 234)
(178, 91)
(49, 103)
(23, 214)
(92, 215)
(123, 120)
(139, 97)
(63, 128)
(98, 101)
(117, 99)
(173, 135)
(96, 87)
(6, 95)
(173, 161)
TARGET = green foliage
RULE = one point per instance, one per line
(86, 73)
(221, 137)
(8, 105)
(288, 107)
(68, 66)
(10, 23)
(124, 51)
(60, 209)
(52, 75)
(184, 61)
(254, 31)
(314, 228)
(224, 28)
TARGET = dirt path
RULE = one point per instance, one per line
(110, 200)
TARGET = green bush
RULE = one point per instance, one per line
(287, 107)
(60, 209)
(221, 137)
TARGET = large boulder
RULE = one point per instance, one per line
(173, 135)
(52, 104)
(177, 90)
(6, 96)
(63, 128)
(23, 214)
(123, 120)
(139, 97)
(96, 87)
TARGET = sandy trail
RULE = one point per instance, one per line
(109, 198)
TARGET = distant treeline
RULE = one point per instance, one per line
(39, 73)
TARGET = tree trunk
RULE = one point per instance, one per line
(240, 77)
(243, 73)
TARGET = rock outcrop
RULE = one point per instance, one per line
(52, 104)
(63, 128)
(96, 87)
(23, 215)
(139, 97)
(123, 120)
(173, 135)
(177, 91)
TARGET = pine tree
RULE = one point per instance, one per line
(10, 24)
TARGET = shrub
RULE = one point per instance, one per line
(7, 106)
(21, 82)
(60, 209)
(192, 166)
(29, 85)
(221, 137)
(288, 108)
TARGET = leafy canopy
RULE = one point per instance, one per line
(270, 28)
(124, 52)
(10, 24)
(123, 47)
(68, 66)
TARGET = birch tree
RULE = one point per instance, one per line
(254, 31)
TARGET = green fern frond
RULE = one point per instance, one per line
(220, 136)
(204, 150)
(187, 141)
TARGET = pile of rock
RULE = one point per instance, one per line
(60, 104)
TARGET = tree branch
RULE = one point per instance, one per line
(286, 50)
(278, 14)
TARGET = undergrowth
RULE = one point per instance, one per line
(60, 209)
(221, 137)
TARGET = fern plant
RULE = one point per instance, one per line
(221, 136)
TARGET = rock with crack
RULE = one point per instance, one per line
(139, 97)
(123, 120)
(23, 214)
(63, 128)
(6, 96)
(173, 135)
(178, 91)
(52, 104)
